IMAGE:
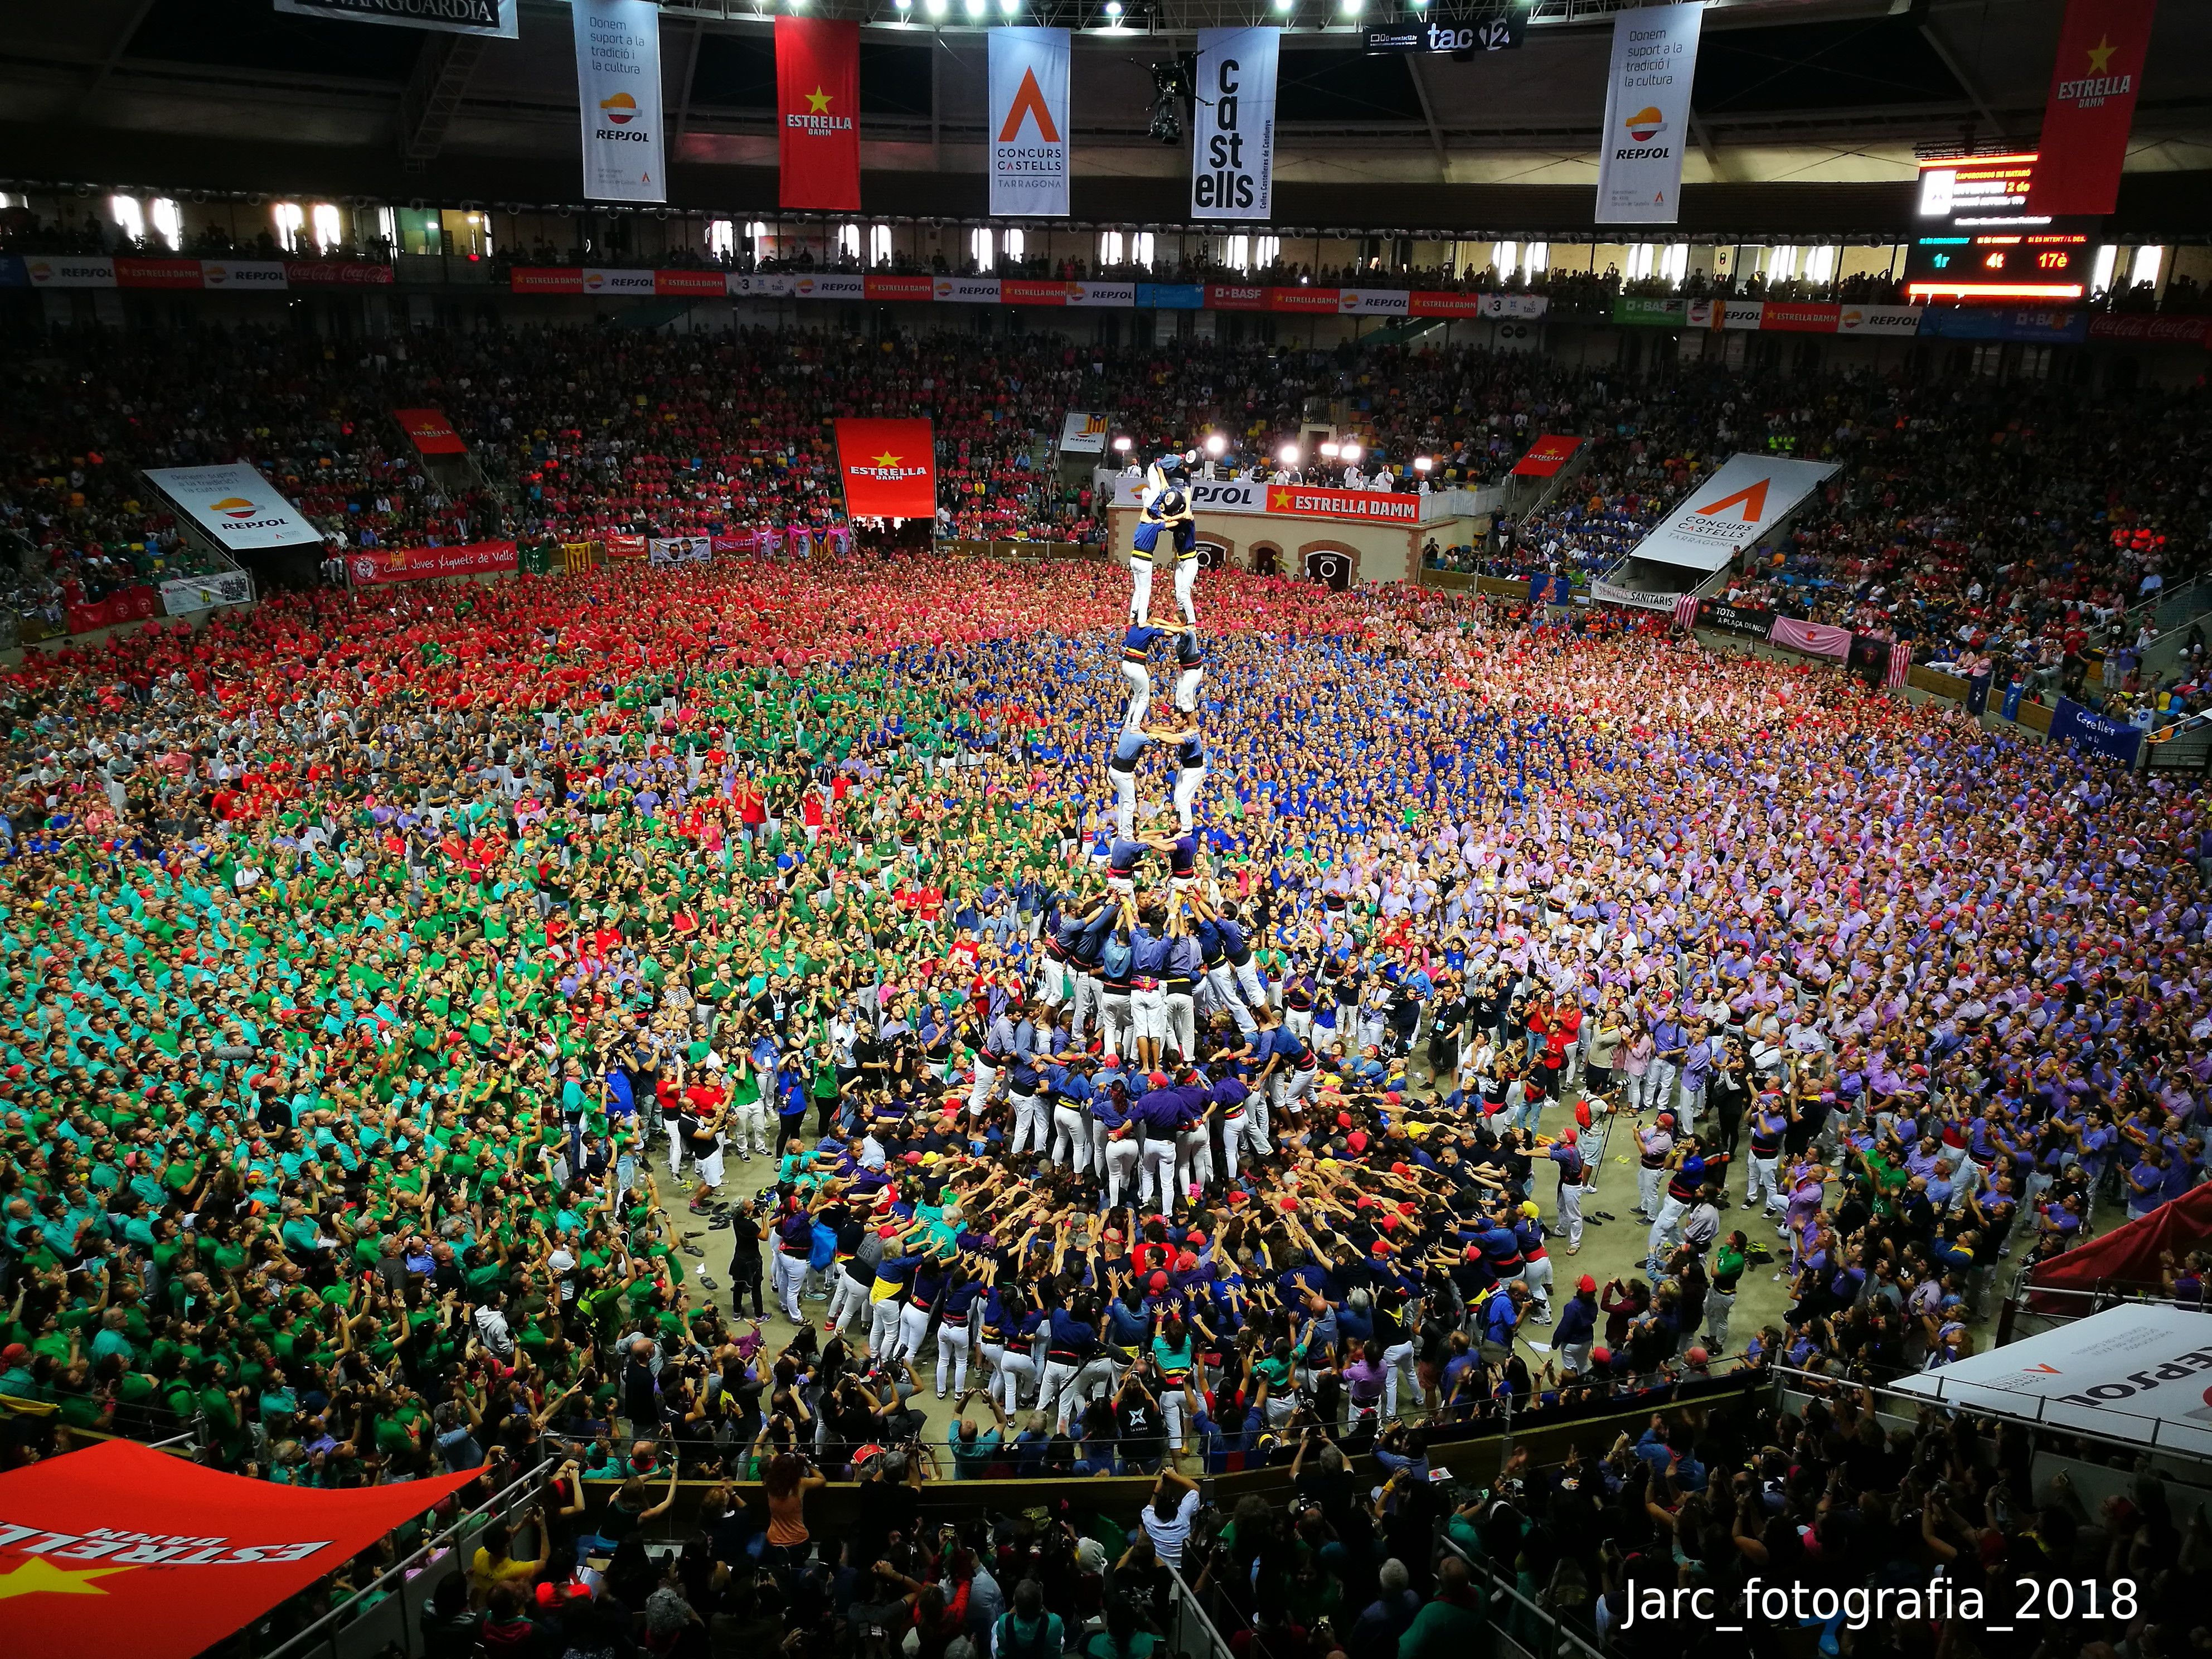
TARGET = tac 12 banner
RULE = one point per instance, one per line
(429, 431)
(2102, 48)
(497, 18)
(618, 87)
(818, 102)
(889, 469)
(118, 1548)
(1029, 76)
(1647, 114)
(1233, 152)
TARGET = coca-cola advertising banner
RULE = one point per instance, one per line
(379, 566)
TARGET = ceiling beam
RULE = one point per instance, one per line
(1944, 55)
(124, 37)
(432, 94)
(684, 86)
(1428, 114)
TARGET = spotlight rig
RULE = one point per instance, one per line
(1171, 90)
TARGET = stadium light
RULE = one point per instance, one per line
(1122, 445)
(1329, 450)
(1010, 7)
(1349, 450)
(937, 7)
(1285, 5)
(1114, 14)
(1216, 446)
(1351, 8)
(975, 8)
(1288, 454)
(1422, 464)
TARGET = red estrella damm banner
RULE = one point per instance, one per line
(888, 467)
(1548, 455)
(122, 1549)
(817, 104)
(429, 431)
(1344, 504)
(2093, 80)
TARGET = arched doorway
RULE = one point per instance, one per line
(1266, 559)
(1334, 566)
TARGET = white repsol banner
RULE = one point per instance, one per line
(1206, 496)
(618, 83)
(1233, 152)
(1647, 114)
(1029, 121)
(493, 18)
(235, 505)
(1748, 496)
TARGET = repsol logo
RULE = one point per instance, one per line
(1643, 153)
(625, 135)
(2182, 1367)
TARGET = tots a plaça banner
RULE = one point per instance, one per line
(889, 469)
(120, 1549)
(235, 505)
(377, 567)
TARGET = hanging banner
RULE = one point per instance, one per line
(2102, 48)
(1233, 152)
(618, 84)
(1647, 114)
(118, 1548)
(1547, 456)
(1731, 510)
(1744, 621)
(1299, 501)
(1028, 116)
(889, 468)
(235, 505)
(2072, 723)
(245, 276)
(1895, 322)
(496, 18)
(69, 270)
(679, 549)
(429, 431)
(817, 102)
(1814, 638)
(216, 588)
(378, 566)
(1084, 433)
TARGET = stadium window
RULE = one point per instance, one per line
(1537, 259)
(1780, 263)
(1109, 247)
(1505, 257)
(980, 247)
(1010, 243)
(2108, 259)
(1641, 257)
(289, 219)
(1821, 263)
(1140, 249)
(129, 218)
(879, 245)
(849, 242)
(387, 228)
(1267, 251)
(1675, 263)
(2144, 268)
(323, 217)
(722, 239)
(1236, 253)
(167, 221)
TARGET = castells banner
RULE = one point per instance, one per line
(235, 505)
(119, 1549)
(889, 469)
(377, 567)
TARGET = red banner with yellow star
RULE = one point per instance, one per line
(889, 468)
(2099, 67)
(818, 106)
(118, 1549)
